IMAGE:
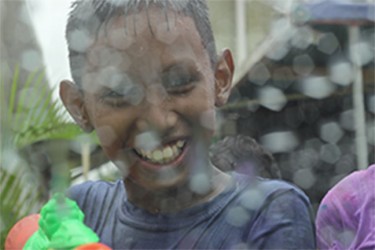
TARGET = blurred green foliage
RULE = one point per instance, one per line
(28, 115)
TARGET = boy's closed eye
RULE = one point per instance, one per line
(122, 95)
(179, 79)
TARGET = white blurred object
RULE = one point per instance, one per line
(328, 43)
(331, 132)
(341, 73)
(347, 120)
(303, 38)
(304, 178)
(303, 65)
(330, 153)
(317, 87)
(279, 142)
(272, 98)
(363, 51)
(259, 74)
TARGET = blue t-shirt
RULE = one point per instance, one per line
(270, 214)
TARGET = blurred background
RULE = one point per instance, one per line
(304, 89)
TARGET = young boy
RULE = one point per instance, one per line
(148, 80)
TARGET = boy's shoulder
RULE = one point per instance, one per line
(267, 192)
(96, 192)
(268, 187)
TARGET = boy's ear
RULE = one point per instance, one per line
(223, 77)
(72, 98)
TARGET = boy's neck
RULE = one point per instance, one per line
(171, 201)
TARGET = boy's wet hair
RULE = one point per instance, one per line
(88, 16)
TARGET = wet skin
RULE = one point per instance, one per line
(157, 88)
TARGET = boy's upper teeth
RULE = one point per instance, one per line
(162, 154)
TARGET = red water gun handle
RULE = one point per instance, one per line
(21, 232)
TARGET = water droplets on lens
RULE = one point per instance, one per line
(259, 74)
(200, 183)
(278, 142)
(317, 87)
(147, 140)
(272, 98)
(237, 216)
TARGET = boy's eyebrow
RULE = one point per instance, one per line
(177, 66)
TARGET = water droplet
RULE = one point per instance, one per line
(31, 60)
(200, 183)
(279, 51)
(166, 31)
(317, 87)
(347, 120)
(284, 77)
(272, 98)
(341, 73)
(158, 94)
(207, 119)
(330, 153)
(331, 132)
(252, 199)
(328, 43)
(101, 56)
(303, 38)
(278, 142)
(345, 165)
(122, 166)
(76, 144)
(304, 178)
(80, 40)
(259, 74)
(148, 140)
(237, 216)
(303, 65)
(363, 51)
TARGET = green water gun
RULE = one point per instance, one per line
(60, 227)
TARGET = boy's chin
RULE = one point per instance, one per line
(167, 178)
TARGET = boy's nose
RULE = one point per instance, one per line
(157, 116)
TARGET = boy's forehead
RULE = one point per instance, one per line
(166, 26)
(166, 36)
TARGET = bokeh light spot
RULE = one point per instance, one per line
(347, 120)
(278, 142)
(317, 87)
(80, 40)
(341, 73)
(330, 153)
(331, 132)
(148, 140)
(304, 178)
(303, 65)
(259, 74)
(328, 43)
(237, 216)
(200, 183)
(272, 98)
(31, 60)
(252, 199)
(303, 38)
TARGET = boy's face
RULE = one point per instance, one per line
(150, 93)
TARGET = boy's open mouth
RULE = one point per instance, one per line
(162, 155)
